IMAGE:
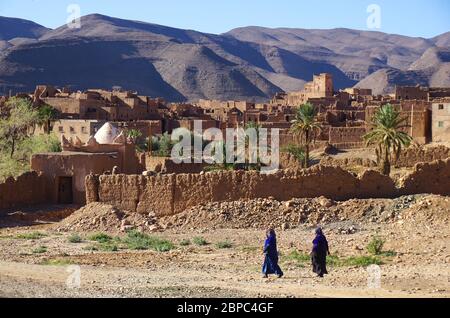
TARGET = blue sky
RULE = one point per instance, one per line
(425, 18)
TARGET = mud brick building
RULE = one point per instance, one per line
(440, 122)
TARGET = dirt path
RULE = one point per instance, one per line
(210, 272)
(415, 260)
(27, 280)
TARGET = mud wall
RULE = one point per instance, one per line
(172, 194)
(412, 156)
(27, 189)
(431, 177)
(160, 164)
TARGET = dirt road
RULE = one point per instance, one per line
(419, 269)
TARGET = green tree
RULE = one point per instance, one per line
(387, 136)
(307, 127)
(46, 114)
(134, 135)
(297, 152)
(251, 151)
(165, 145)
(15, 126)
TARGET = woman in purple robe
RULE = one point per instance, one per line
(319, 253)
(270, 265)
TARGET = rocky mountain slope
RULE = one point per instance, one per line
(431, 69)
(247, 63)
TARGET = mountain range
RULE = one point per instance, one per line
(251, 63)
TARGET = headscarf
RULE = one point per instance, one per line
(271, 242)
(270, 233)
(320, 240)
(319, 231)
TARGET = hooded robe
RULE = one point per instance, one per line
(270, 265)
(319, 253)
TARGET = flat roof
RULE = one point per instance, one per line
(77, 153)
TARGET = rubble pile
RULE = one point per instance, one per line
(270, 213)
(106, 218)
(346, 217)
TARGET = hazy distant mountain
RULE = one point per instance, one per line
(245, 63)
(431, 69)
(11, 28)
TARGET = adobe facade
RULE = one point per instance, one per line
(440, 122)
(343, 114)
(171, 194)
(320, 87)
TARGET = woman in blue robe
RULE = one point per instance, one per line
(270, 265)
(319, 253)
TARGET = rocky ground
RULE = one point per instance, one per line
(215, 250)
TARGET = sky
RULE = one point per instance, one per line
(421, 18)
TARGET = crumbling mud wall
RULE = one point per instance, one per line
(348, 162)
(412, 156)
(431, 178)
(27, 189)
(166, 165)
(288, 161)
(172, 194)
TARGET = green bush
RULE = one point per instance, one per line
(75, 238)
(91, 248)
(107, 247)
(298, 257)
(31, 236)
(40, 250)
(100, 238)
(57, 262)
(375, 246)
(297, 152)
(224, 244)
(200, 241)
(140, 241)
(333, 260)
(185, 242)
(388, 253)
(20, 162)
(362, 261)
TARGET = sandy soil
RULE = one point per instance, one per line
(420, 267)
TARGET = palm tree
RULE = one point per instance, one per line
(307, 127)
(387, 136)
(253, 149)
(46, 114)
(297, 152)
(133, 135)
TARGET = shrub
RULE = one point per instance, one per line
(100, 238)
(40, 250)
(299, 257)
(224, 244)
(297, 152)
(375, 246)
(57, 262)
(140, 241)
(31, 236)
(362, 261)
(108, 247)
(185, 242)
(90, 248)
(200, 241)
(75, 238)
(388, 253)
